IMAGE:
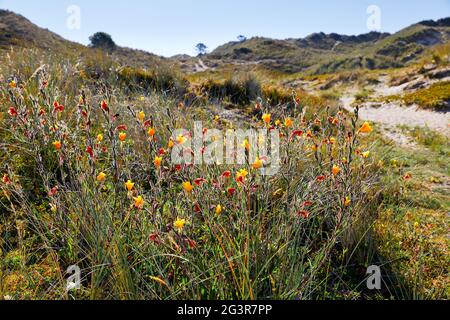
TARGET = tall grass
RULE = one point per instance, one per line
(290, 236)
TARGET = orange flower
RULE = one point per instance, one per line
(157, 162)
(129, 185)
(101, 177)
(258, 164)
(266, 118)
(151, 132)
(122, 136)
(347, 201)
(288, 122)
(57, 144)
(12, 84)
(139, 202)
(181, 139)
(188, 187)
(219, 209)
(170, 144)
(336, 170)
(246, 144)
(366, 128)
(100, 138)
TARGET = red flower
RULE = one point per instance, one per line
(147, 123)
(226, 174)
(154, 237)
(90, 151)
(407, 176)
(308, 204)
(12, 112)
(199, 181)
(191, 243)
(231, 191)
(104, 106)
(53, 191)
(162, 152)
(321, 178)
(6, 179)
(304, 214)
(296, 133)
(122, 127)
(178, 167)
(57, 107)
(197, 208)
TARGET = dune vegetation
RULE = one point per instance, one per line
(87, 141)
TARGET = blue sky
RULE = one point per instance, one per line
(169, 27)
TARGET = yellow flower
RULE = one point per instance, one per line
(179, 224)
(157, 162)
(219, 209)
(122, 136)
(170, 144)
(241, 175)
(57, 144)
(246, 144)
(181, 139)
(139, 202)
(53, 208)
(100, 138)
(266, 118)
(258, 164)
(336, 170)
(151, 132)
(141, 116)
(366, 128)
(129, 185)
(332, 140)
(277, 123)
(188, 187)
(101, 177)
(12, 84)
(288, 122)
(347, 201)
(366, 154)
(142, 98)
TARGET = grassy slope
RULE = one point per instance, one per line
(316, 54)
